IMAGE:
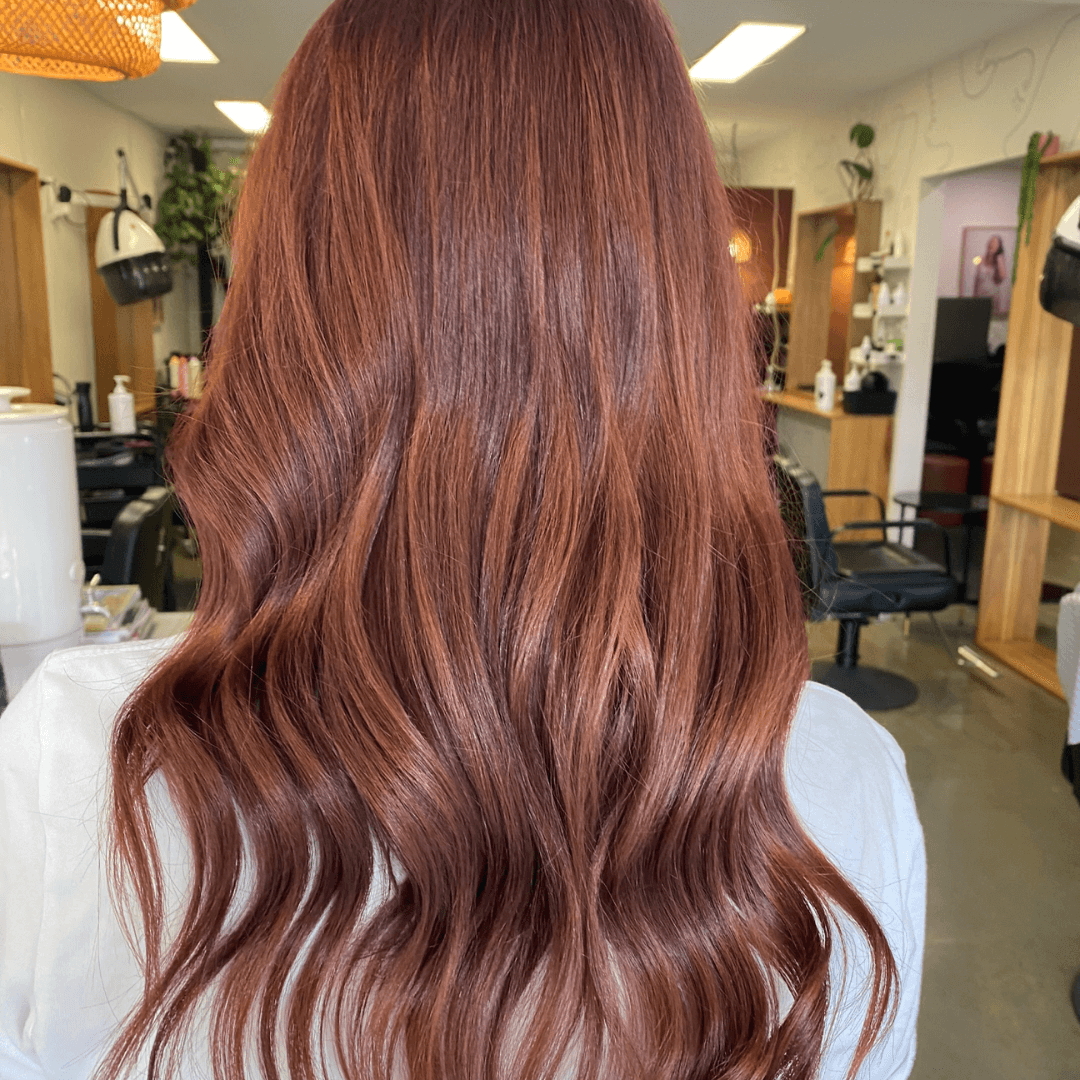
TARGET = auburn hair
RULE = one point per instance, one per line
(478, 733)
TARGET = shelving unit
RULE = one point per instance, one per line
(1040, 351)
(827, 290)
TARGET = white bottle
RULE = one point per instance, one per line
(883, 297)
(899, 296)
(853, 378)
(174, 372)
(194, 377)
(825, 388)
(121, 408)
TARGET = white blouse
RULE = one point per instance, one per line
(68, 976)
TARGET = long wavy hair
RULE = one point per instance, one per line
(478, 733)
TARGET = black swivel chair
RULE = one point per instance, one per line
(135, 550)
(856, 580)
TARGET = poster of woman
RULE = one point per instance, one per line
(986, 264)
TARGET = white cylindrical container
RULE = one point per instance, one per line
(174, 372)
(825, 387)
(121, 407)
(41, 567)
(195, 377)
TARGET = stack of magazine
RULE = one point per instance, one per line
(114, 613)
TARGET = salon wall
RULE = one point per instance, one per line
(975, 109)
(70, 136)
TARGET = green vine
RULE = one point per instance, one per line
(198, 199)
(1029, 177)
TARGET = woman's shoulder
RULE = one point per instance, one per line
(830, 730)
(76, 687)
(847, 779)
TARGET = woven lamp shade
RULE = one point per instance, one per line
(100, 40)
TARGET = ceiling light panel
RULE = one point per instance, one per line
(250, 116)
(180, 44)
(747, 46)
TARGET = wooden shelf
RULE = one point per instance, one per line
(829, 244)
(1054, 508)
(1032, 660)
(1038, 358)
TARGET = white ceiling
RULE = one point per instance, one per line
(851, 48)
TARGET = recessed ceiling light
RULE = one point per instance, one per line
(250, 116)
(746, 47)
(180, 44)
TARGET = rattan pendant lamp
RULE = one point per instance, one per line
(99, 40)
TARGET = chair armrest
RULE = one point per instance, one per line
(914, 523)
(857, 491)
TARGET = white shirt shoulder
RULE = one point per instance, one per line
(848, 784)
(68, 975)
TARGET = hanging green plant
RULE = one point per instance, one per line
(195, 207)
(857, 172)
(1038, 146)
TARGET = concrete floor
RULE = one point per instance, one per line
(1003, 846)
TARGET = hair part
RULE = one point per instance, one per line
(478, 733)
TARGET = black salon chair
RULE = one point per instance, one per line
(855, 580)
(135, 549)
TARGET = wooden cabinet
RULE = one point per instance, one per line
(843, 450)
(1023, 500)
(25, 349)
(823, 323)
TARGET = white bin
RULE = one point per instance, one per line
(41, 567)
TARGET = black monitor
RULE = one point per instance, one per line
(963, 326)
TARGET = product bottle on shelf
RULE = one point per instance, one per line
(825, 387)
(121, 407)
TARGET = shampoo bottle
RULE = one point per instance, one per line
(853, 378)
(121, 408)
(825, 387)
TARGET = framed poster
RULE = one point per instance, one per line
(986, 264)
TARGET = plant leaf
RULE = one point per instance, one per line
(862, 135)
(857, 167)
(825, 244)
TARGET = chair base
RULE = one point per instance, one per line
(869, 687)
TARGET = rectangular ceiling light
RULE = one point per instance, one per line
(250, 116)
(180, 44)
(745, 48)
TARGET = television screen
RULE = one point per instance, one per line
(962, 329)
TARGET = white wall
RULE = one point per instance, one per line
(71, 136)
(976, 109)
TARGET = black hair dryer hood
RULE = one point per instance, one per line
(1059, 290)
(131, 258)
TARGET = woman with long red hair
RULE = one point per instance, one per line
(490, 752)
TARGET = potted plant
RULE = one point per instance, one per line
(193, 213)
(857, 172)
